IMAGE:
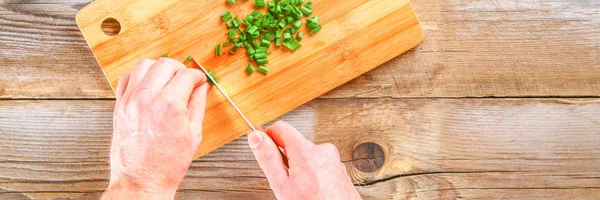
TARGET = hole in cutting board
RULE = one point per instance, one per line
(111, 26)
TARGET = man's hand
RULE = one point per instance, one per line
(157, 129)
(315, 171)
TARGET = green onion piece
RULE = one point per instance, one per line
(287, 35)
(238, 45)
(278, 41)
(227, 43)
(226, 16)
(262, 61)
(263, 69)
(231, 1)
(297, 24)
(292, 44)
(299, 36)
(316, 29)
(257, 14)
(313, 19)
(212, 77)
(250, 50)
(305, 10)
(290, 19)
(299, 2)
(232, 34)
(229, 25)
(189, 58)
(270, 36)
(282, 24)
(218, 50)
(166, 55)
(256, 44)
(309, 4)
(271, 5)
(252, 29)
(265, 42)
(260, 55)
(261, 50)
(236, 22)
(260, 3)
(249, 69)
(288, 9)
(292, 30)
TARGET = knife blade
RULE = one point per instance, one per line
(226, 96)
(283, 156)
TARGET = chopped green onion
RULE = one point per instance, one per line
(231, 1)
(212, 77)
(256, 44)
(292, 44)
(249, 69)
(218, 50)
(305, 10)
(313, 20)
(265, 42)
(309, 4)
(166, 55)
(261, 50)
(229, 24)
(232, 34)
(263, 69)
(238, 45)
(262, 61)
(257, 14)
(316, 29)
(236, 22)
(260, 3)
(287, 34)
(189, 58)
(260, 56)
(300, 36)
(227, 43)
(297, 24)
(226, 16)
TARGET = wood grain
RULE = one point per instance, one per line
(472, 48)
(470, 148)
(335, 55)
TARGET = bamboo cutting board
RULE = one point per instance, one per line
(357, 36)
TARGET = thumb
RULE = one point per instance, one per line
(268, 156)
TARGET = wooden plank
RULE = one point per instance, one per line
(43, 55)
(471, 148)
(472, 48)
(330, 58)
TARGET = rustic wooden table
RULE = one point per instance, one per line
(499, 101)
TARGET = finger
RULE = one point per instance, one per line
(330, 151)
(268, 156)
(196, 108)
(123, 81)
(184, 82)
(137, 75)
(161, 73)
(287, 137)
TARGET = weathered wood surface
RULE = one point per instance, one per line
(470, 148)
(471, 48)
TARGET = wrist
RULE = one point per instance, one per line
(130, 190)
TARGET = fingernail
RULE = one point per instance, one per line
(255, 138)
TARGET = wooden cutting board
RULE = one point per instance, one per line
(357, 36)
